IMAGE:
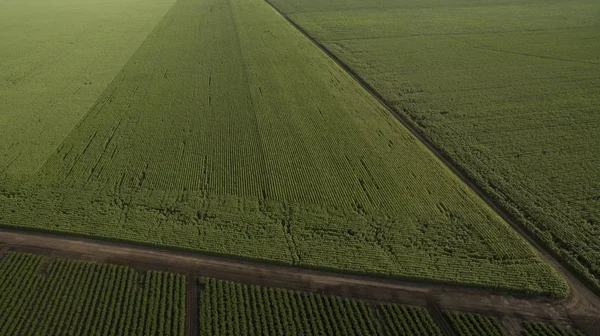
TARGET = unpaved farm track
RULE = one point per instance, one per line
(368, 288)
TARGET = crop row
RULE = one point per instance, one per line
(467, 324)
(238, 309)
(229, 308)
(542, 329)
(48, 297)
(406, 320)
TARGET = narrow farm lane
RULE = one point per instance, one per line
(251, 272)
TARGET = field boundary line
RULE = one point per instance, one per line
(363, 287)
(579, 290)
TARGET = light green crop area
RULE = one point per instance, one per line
(56, 57)
(228, 132)
(509, 89)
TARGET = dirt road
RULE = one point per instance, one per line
(363, 287)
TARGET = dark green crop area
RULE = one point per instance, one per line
(543, 329)
(228, 132)
(467, 324)
(229, 308)
(43, 296)
(510, 90)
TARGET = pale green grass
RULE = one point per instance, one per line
(56, 57)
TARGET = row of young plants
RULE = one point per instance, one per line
(229, 308)
(68, 297)
(238, 309)
(407, 320)
(467, 324)
(542, 329)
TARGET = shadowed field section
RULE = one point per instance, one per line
(228, 132)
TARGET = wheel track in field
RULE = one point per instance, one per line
(370, 288)
(582, 298)
(191, 294)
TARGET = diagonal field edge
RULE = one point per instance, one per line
(100, 97)
(580, 288)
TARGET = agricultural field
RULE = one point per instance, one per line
(542, 329)
(229, 308)
(467, 324)
(509, 90)
(406, 320)
(56, 58)
(42, 296)
(226, 131)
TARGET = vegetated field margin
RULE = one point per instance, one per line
(188, 146)
(47, 237)
(146, 257)
(509, 210)
(534, 211)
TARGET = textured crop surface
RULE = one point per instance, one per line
(229, 308)
(40, 296)
(228, 132)
(56, 57)
(508, 89)
(467, 324)
(406, 321)
(542, 329)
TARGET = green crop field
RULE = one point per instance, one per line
(467, 324)
(224, 130)
(542, 329)
(42, 296)
(406, 320)
(510, 90)
(229, 308)
(56, 57)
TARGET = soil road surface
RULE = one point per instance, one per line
(363, 287)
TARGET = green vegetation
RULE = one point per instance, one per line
(56, 58)
(507, 89)
(407, 321)
(48, 297)
(229, 308)
(542, 329)
(228, 132)
(467, 324)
